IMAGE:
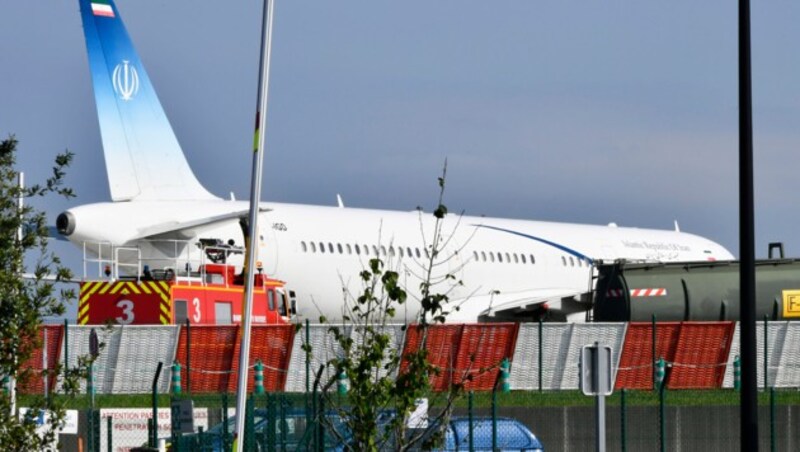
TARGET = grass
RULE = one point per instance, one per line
(531, 399)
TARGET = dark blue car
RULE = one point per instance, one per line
(511, 435)
(290, 432)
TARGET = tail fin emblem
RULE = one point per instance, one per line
(126, 80)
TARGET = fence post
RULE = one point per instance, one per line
(307, 350)
(109, 436)
(505, 366)
(225, 432)
(90, 391)
(283, 421)
(772, 443)
(188, 357)
(660, 370)
(150, 429)
(653, 361)
(154, 399)
(494, 418)
(272, 419)
(623, 420)
(66, 349)
(249, 430)
(258, 376)
(766, 352)
(541, 358)
(176, 378)
(341, 384)
(320, 423)
(471, 425)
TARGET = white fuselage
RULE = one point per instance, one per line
(161, 213)
(320, 251)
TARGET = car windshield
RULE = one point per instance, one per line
(510, 435)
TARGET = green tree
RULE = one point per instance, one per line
(29, 291)
(385, 385)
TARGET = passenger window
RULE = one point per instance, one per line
(419, 256)
(303, 247)
(408, 252)
(400, 250)
(522, 256)
(282, 303)
(375, 250)
(383, 250)
(533, 260)
(508, 258)
(358, 250)
(491, 256)
(499, 257)
(181, 312)
(563, 261)
(349, 250)
(391, 251)
(321, 247)
(339, 246)
(330, 247)
(475, 255)
(313, 247)
(516, 258)
(571, 262)
(483, 256)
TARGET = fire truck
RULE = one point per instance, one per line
(196, 283)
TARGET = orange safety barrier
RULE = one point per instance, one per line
(701, 355)
(636, 360)
(211, 348)
(695, 354)
(35, 379)
(272, 344)
(442, 346)
(468, 353)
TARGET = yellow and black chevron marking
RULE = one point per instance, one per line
(90, 291)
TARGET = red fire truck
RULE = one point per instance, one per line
(211, 295)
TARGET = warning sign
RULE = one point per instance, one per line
(791, 303)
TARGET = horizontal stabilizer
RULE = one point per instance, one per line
(173, 226)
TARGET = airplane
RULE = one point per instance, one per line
(159, 212)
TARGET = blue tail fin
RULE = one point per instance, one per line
(143, 158)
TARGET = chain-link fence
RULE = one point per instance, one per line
(706, 420)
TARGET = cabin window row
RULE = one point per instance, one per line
(359, 249)
(573, 261)
(503, 257)
(407, 251)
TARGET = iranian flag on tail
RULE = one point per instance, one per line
(102, 8)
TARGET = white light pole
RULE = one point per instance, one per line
(255, 198)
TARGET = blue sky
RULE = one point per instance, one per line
(591, 112)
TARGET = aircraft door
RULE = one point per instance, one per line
(268, 244)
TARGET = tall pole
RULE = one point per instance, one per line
(747, 275)
(255, 198)
(12, 379)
